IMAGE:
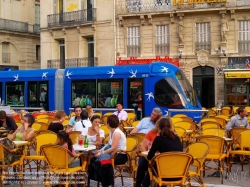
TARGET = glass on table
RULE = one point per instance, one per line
(80, 141)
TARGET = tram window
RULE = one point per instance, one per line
(110, 92)
(83, 93)
(135, 92)
(15, 94)
(167, 94)
(1, 93)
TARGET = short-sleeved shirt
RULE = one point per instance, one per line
(82, 126)
(151, 135)
(237, 121)
(73, 121)
(92, 139)
(145, 125)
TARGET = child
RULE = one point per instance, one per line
(64, 140)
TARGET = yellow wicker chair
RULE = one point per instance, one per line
(73, 135)
(36, 126)
(226, 111)
(40, 140)
(179, 115)
(209, 125)
(135, 123)
(181, 133)
(199, 151)
(184, 124)
(221, 120)
(244, 151)
(234, 133)
(131, 117)
(214, 132)
(130, 165)
(98, 114)
(5, 168)
(212, 112)
(57, 158)
(216, 153)
(104, 119)
(207, 120)
(177, 168)
(105, 129)
(41, 116)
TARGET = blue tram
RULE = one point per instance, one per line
(141, 87)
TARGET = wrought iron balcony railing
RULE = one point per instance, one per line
(244, 47)
(203, 45)
(5, 57)
(71, 18)
(74, 62)
(124, 7)
(12, 25)
(36, 28)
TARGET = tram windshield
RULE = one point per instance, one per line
(187, 88)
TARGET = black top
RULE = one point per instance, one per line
(10, 123)
(55, 127)
(165, 144)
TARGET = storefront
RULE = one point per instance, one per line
(237, 82)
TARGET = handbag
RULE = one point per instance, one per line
(9, 157)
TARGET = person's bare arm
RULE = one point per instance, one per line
(144, 145)
(135, 130)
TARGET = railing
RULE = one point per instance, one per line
(74, 62)
(134, 50)
(244, 47)
(147, 6)
(71, 18)
(5, 57)
(203, 45)
(11, 25)
(36, 28)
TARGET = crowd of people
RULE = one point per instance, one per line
(160, 137)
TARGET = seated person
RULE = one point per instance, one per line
(25, 132)
(107, 102)
(89, 110)
(94, 133)
(6, 121)
(83, 124)
(64, 140)
(167, 141)
(57, 125)
(146, 124)
(120, 113)
(117, 141)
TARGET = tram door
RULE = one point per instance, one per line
(135, 99)
(38, 94)
(203, 84)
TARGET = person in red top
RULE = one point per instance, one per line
(145, 146)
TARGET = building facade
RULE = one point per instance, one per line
(77, 33)
(19, 34)
(211, 39)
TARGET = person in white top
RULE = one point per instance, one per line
(83, 124)
(117, 141)
(94, 133)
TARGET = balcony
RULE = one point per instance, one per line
(5, 57)
(126, 7)
(72, 18)
(11, 25)
(74, 62)
(36, 28)
(244, 47)
(203, 45)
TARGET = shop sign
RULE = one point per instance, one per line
(181, 2)
(238, 63)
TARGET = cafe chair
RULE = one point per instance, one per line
(207, 120)
(176, 169)
(105, 129)
(216, 153)
(65, 122)
(210, 125)
(58, 159)
(135, 123)
(74, 135)
(234, 133)
(199, 151)
(222, 120)
(104, 119)
(38, 158)
(41, 116)
(131, 118)
(130, 165)
(140, 137)
(5, 168)
(44, 126)
(43, 120)
(184, 124)
(36, 126)
(243, 151)
(44, 132)
(124, 124)
(212, 112)
(179, 115)
(226, 111)
(214, 132)
(181, 132)
(98, 114)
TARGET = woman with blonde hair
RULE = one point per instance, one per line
(57, 125)
(89, 110)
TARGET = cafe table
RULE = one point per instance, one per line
(21, 143)
(89, 149)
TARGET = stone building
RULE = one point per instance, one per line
(211, 39)
(19, 34)
(77, 33)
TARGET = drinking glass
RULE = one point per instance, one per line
(80, 141)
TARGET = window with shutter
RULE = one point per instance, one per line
(133, 43)
(162, 40)
(244, 37)
(203, 38)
